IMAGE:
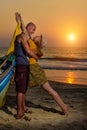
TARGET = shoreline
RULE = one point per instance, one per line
(74, 85)
(69, 77)
(46, 114)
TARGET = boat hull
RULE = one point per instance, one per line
(7, 65)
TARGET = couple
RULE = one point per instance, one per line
(28, 71)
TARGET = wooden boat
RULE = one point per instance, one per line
(7, 65)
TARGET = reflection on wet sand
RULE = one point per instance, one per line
(70, 77)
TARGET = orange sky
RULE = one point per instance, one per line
(55, 19)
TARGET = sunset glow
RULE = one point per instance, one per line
(60, 22)
(71, 37)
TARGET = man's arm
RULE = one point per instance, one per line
(24, 37)
(19, 20)
(26, 47)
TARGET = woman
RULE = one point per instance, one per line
(37, 76)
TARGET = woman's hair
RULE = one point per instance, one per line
(38, 41)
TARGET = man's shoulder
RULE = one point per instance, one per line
(22, 35)
(19, 37)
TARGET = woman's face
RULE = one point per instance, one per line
(36, 38)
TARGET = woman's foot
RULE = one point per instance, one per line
(65, 110)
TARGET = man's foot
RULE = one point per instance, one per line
(27, 111)
(18, 116)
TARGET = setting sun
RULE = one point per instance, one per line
(71, 37)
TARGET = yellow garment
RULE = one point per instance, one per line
(17, 31)
(32, 46)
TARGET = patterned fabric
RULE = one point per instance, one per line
(37, 76)
(21, 78)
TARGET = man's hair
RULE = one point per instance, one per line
(30, 24)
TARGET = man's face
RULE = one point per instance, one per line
(31, 30)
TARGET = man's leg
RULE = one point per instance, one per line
(24, 103)
(19, 104)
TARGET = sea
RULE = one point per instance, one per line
(63, 64)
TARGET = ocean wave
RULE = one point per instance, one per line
(65, 59)
(64, 68)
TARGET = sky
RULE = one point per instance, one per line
(63, 23)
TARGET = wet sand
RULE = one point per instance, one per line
(46, 114)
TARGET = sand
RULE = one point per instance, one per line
(46, 114)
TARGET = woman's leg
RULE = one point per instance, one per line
(46, 86)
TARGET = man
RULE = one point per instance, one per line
(22, 51)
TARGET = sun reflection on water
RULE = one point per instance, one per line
(70, 77)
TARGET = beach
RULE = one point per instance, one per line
(69, 79)
(44, 113)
